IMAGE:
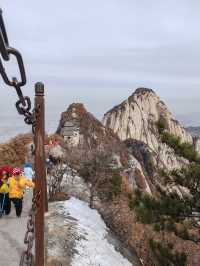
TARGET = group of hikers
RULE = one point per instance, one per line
(13, 183)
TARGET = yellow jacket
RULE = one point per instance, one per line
(16, 187)
(4, 188)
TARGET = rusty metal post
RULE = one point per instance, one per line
(40, 173)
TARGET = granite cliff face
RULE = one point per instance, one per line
(80, 129)
(137, 117)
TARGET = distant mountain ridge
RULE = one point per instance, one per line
(194, 131)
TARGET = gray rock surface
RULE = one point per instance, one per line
(75, 186)
(60, 236)
(136, 118)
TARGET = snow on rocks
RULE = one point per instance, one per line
(93, 248)
(75, 186)
(85, 231)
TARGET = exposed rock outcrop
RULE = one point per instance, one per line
(164, 158)
(137, 116)
(81, 129)
(75, 186)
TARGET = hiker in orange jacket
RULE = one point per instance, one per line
(17, 185)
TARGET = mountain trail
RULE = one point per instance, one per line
(12, 232)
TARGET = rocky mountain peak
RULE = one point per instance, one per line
(76, 121)
(140, 93)
(143, 91)
(76, 110)
(81, 129)
(137, 118)
(77, 117)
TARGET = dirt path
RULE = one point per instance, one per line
(12, 231)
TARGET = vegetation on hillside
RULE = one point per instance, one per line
(168, 213)
(185, 150)
(189, 177)
(165, 256)
(14, 152)
(116, 183)
(161, 125)
(152, 211)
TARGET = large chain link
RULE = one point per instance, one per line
(3, 39)
(27, 258)
(23, 106)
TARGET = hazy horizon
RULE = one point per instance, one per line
(12, 123)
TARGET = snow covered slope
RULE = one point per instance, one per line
(90, 244)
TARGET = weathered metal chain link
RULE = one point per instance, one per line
(27, 258)
(23, 106)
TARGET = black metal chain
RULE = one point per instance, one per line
(27, 258)
(3, 39)
(23, 106)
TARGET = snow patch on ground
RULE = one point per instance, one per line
(93, 249)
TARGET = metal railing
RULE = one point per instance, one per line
(36, 118)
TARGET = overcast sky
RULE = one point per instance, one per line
(99, 51)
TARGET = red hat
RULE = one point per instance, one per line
(6, 168)
(17, 171)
